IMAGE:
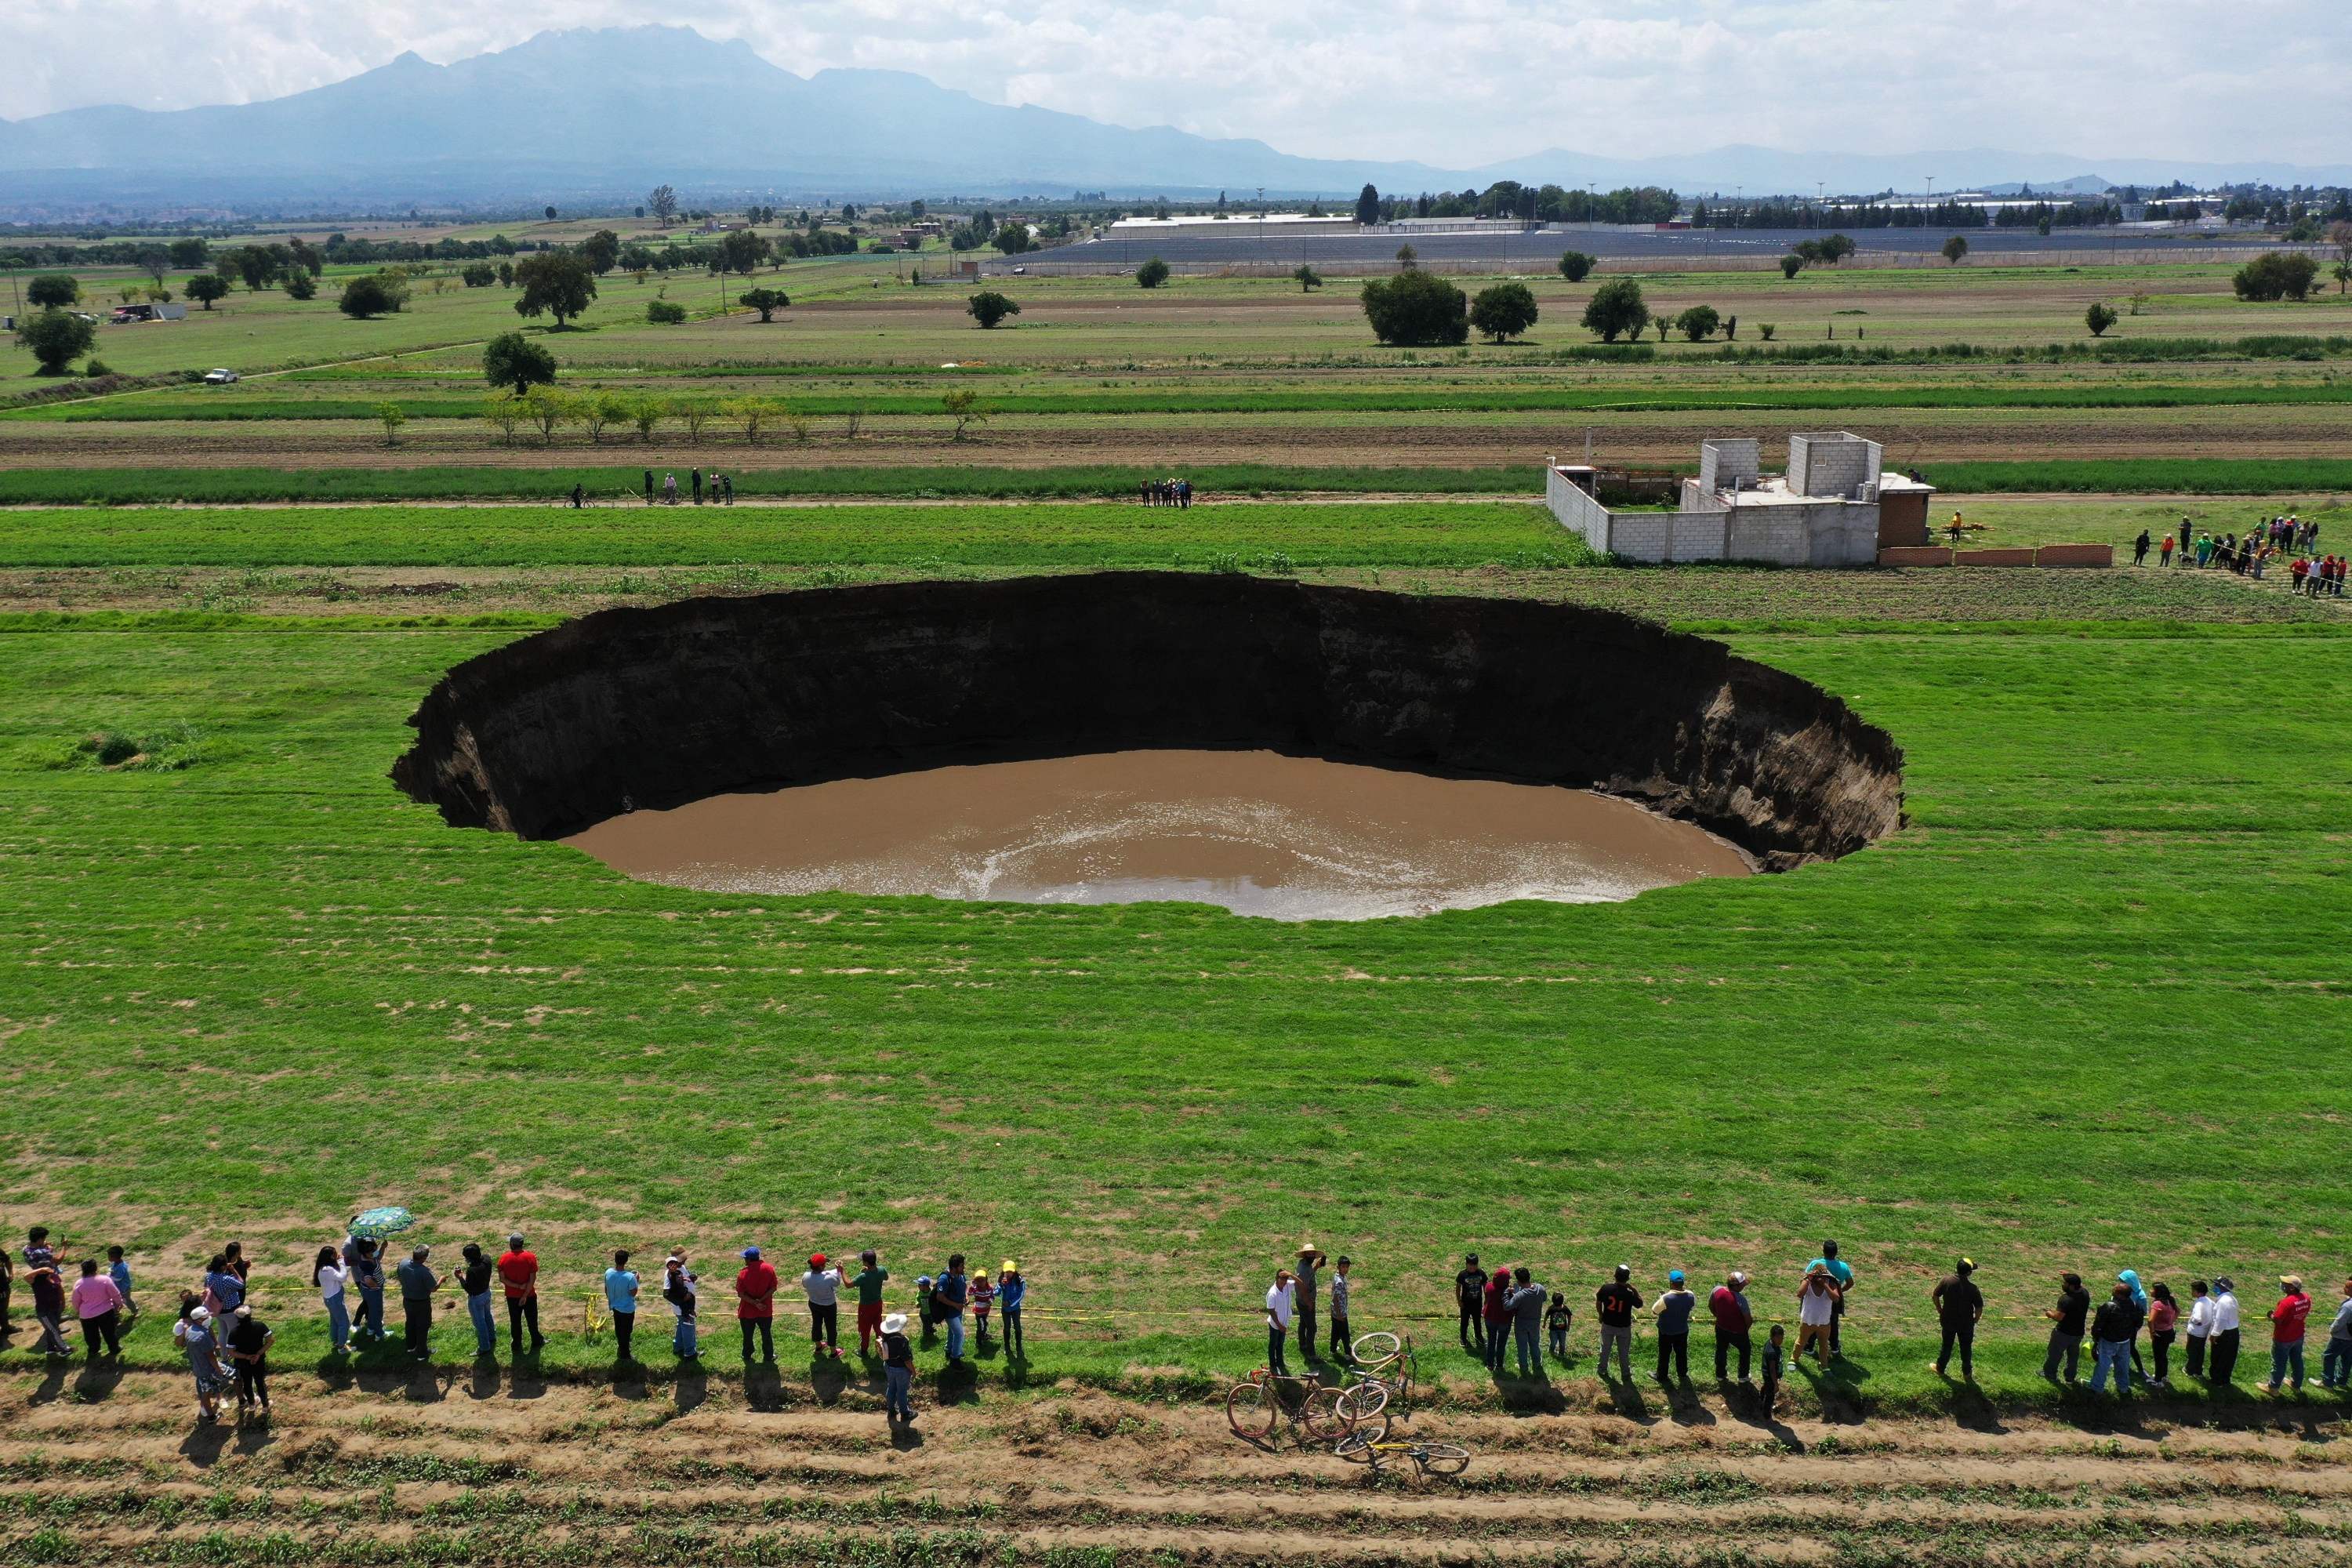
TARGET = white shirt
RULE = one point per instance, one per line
(1816, 1307)
(1280, 1303)
(331, 1280)
(2225, 1311)
(824, 1286)
(1339, 1295)
(2200, 1318)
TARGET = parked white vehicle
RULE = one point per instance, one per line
(219, 377)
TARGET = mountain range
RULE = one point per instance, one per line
(602, 114)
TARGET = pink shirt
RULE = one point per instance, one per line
(94, 1294)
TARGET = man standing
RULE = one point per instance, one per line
(2222, 1355)
(822, 1285)
(475, 1281)
(755, 1304)
(2335, 1364)
(519, 1272)
(1674, 1308)
(1469, 1294)
(1527, 1300)
(869, 1282)
(1959, 1307)
(1734, 1323)
(2112, 1333)
(2287, 1321)
(696, 475)
(1616, 1303)
(1280, 1306)
(2066, 1327)
(621, 1288)
(1497, 1308)
(1841, 1278)
(650, 487)
(1342, 1338)
(368, 1274)
(1310, 1258)
(249, 1343)
(948, 1293)
(417, 1283)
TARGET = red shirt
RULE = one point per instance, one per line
(755, 1289)
(2286, 1318)
(1730, 1317)
(521, 1271)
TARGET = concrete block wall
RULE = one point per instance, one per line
(1832, 464)
(1842, 533)
(1697, 535)
(1576, 510)
(1772, 534)
(1642, 536)
(1729, 462)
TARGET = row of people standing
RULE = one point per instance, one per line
(1165, 492)
(721, 487)
(2213, 1327)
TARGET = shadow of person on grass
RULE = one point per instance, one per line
(690, 1388)
(53, 1380)
(828, 1378)
(763, 1386)
(956, 1385)
(99, 1380)
(202, 1448)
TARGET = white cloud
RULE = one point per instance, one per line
(1452, 82)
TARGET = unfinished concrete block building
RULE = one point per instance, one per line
(1836, 507)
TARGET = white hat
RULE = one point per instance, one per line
(201, 1315)
(895, 1323)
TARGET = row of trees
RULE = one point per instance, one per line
(1528, 204)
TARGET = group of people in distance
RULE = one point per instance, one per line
(721, 487)
(1166, 492)
(2250, 556)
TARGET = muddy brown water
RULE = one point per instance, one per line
(1261, 833)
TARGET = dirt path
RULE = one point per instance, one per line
(494, 1470)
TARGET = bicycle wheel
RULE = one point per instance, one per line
(1443, 1458)
(1251, 1410)
(1357, 1448)
(1365, 1400)
(1374, 1349)
(1324, 1415)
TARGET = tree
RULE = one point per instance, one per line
(767, 302)
(1575, 265)
(546, 408)
(1416, 308)
(1407, 257)
(207, 287)
(189, 254)
(1368, 204)
(645, 413)
(740, 250)
(599, 409)
(2280, 275)
(480, 275)
(1307, 278)
(371, 294)
(663, 203)
(1616, 308)
(665, 312)
(52, 290)
(988, 307)
(1151, 274)
(1956, 248)
(154, 261)
(502, 414)
(57, 338)
(256, 264)
(2340, 235)
(300, 285)
(1793, 264)
(600, 251)
(390, 415)
(513, 360)
(962, 405)
(551, 215)
(1013, 238)
(1698, 324)
(506, 274)
(305, 256)
(556, 284)
(1503, 311)
(2099, 317)
(751, 413)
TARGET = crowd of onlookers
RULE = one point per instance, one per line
(1166, 492)
(2252, 555)
(227, 1343)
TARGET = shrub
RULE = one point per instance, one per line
(390, 415)
(1504, 310)
(1575, 265)
(665, 312)
(1308, 278)
(988, 307)
(1616, 309)
(767, 302)
(478, 275)
(2281, 275)
(962, 405)
(1698, 324)
(299, 285)
(1791, 264)
(97, 367)
(371, 294)
(1956, 248)
(2099, 317)
(1416, 308)
(1765, 331)
(1151, 274)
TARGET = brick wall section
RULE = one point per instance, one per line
(2075, 555)
(1577, 511)
(2017, 555)
(1915, 555)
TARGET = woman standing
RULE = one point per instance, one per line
(2129, 1280)
(2163, 1316)
(621, 1298)
(328, 1273)
(99, 1305)
(678, 1290)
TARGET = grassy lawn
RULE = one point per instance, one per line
(2068, 1018)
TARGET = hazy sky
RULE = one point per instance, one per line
(1453, 82)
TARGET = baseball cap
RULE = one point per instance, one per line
(816, 1261)
(753, 1251)
(1673, 1275)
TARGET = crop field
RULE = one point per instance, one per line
(2082, 1010)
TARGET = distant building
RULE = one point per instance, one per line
(1836, 507)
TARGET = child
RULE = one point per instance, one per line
(1558, 1317)
(1775, 1354)
(924, 1311)
(1011, 1290)
(119, 1272)
(982, 1295)
(679, 1290)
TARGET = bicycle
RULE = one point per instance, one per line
(1428, 1459)
(1260, 1404)
(1384, 1369)
(595, 1319)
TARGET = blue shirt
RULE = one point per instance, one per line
(227, 1288)
(1839, 1270)
(621, 1289)
(119, 1272)
(1010, 1292)
(951, 1288)
(1674, 1311)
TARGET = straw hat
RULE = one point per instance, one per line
(895, 1323)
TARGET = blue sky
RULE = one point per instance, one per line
(1453, 82)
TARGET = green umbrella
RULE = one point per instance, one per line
(377, 1224)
